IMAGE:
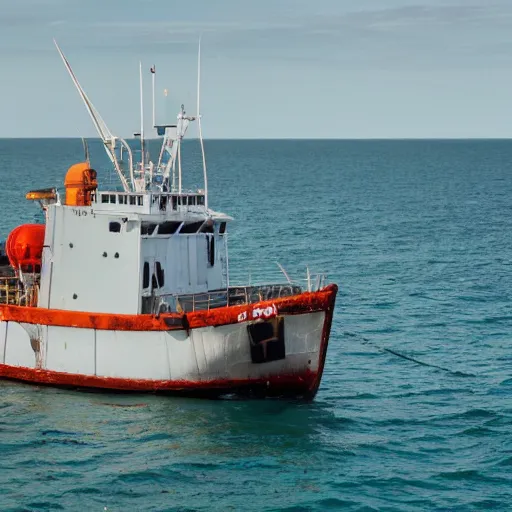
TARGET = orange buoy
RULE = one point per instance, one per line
(24, 247)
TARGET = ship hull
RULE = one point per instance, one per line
(270, 348)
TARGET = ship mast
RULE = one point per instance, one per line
(199, 125)
(142, 159)
(153, 75)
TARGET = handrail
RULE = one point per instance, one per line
(12, 293)
(232, 296)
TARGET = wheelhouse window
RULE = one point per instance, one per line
(207, 227)
(108, 198)
(200, 200)
(163, 203)
(222, 228)
(132, 200)
(168, 228)
(140, 200)
(147, 228)
(191, 227)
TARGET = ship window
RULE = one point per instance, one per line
(163, 203)
(114, 227)
(191, 227)
(145, 275)
(147, 229)
(207, 226)
(174, 202)
(200, 200)
(168, 228)
(222, 228)
(139, 200)
(160, 274)
(113, 198)
(104, 198)
(132, 199)
(123, 199)
(191, 200)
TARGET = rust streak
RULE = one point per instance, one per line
(297, 382)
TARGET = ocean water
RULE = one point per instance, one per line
(417, 236)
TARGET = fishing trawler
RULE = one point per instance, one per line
(128, 289)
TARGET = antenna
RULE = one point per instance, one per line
(199, 124)
(179, 166)
(284, 272)
(86, 151)
(153, 73)
(141, 120)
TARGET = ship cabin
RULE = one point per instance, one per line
(132, 253)
(123, 252)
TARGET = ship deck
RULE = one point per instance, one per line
(11, 292)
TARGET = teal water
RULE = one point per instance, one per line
(417, 236)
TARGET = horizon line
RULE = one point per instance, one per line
(279, 138)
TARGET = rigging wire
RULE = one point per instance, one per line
(366, 341)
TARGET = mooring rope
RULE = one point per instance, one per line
(366, 341)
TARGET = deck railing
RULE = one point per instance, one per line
(13, 293)
(233, 296)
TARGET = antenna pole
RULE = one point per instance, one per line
(179, 166)
(86, 151)
(141, 119)
(153, 73)
(205, 175)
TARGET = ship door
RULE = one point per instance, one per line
(148, 267)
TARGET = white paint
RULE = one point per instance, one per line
(103, 284)
(70, 350)
(132, 355)
(18, 349)
(181, 356)
(302, 332)
(3, 334)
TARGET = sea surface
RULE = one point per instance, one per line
(415, 408)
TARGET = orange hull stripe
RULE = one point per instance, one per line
(308, 302)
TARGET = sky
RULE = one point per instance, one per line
(270, 68)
